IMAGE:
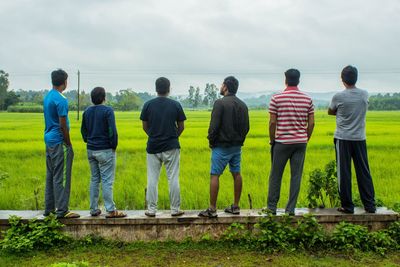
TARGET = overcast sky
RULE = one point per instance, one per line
(128, 44)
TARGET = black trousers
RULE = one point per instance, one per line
(345, 152)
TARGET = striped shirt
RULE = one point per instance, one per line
(292, 108)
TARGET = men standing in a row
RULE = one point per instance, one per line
(59, 153)
(163, 121)
(290, 127)
(229, 126)
(350, 108)
(100, 133)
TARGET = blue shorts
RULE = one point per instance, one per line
(221, 156)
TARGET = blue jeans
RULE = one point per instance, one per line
(221, 156)
(102, 167)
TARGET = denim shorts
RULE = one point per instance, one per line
(221, 156)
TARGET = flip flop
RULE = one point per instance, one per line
(69, 215)
(116, 214)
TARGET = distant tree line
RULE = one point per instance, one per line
(127, 99)
(385, 102)
(124, 100)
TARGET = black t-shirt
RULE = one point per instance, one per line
(162, 115)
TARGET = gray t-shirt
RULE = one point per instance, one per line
(351, 107)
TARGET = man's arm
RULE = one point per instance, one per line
(333, 105)
(112, 130)
(145, 126)
(272, 127)
(332, 112)
(84, 129)
(181, 127)
(64, 130)
(215, 123)
(310, 125)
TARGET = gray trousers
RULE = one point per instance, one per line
(58, 178)
(170, 159)
(280, 154)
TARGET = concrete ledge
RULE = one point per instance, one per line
(136, 226)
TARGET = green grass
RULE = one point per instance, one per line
(196, 254)
(22, 156)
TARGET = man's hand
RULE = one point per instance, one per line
(332, 112)
(64, 130)
(272, 127)
(271, 142)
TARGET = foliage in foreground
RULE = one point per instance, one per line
(323, 187)
(273, 235)
(270, 234)
(33, 234)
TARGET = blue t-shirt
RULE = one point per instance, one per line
(162, 115)
(55, 105)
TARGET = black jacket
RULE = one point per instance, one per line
(229, 123)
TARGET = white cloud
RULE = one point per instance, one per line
(121, 44)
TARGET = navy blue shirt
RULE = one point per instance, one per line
(98, 128)
(162, 115)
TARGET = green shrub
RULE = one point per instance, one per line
(381, 241)
(396, 207)
(394, 232)
(309, 233)
(23, 236)
(26, 109)
(273, 235)
(323, 187)
(349, 237)
(237, 234)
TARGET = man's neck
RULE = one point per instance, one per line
(58, 89)
(228, 94)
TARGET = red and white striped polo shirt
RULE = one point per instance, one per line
(292, 108)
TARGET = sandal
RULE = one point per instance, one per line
(343, 210)
(116, 214)
(69, 215)
(233, 210)
(95, 213)
(208, 213)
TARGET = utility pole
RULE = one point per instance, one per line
(79, 83)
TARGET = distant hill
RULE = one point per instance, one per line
(261, 99)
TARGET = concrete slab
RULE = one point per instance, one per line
(137, 226)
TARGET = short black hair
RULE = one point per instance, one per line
(58, 77)
(98, 95)
(162, 86)
(232, 84)
(349, 75)
(292, 77)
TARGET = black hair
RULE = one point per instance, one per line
(162, 86)
(58, 77)
(98, 95)
(232, 84)
(292, 77)
(349, 75)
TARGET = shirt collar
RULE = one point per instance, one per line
(292, 88)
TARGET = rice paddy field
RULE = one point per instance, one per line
(22, 156)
